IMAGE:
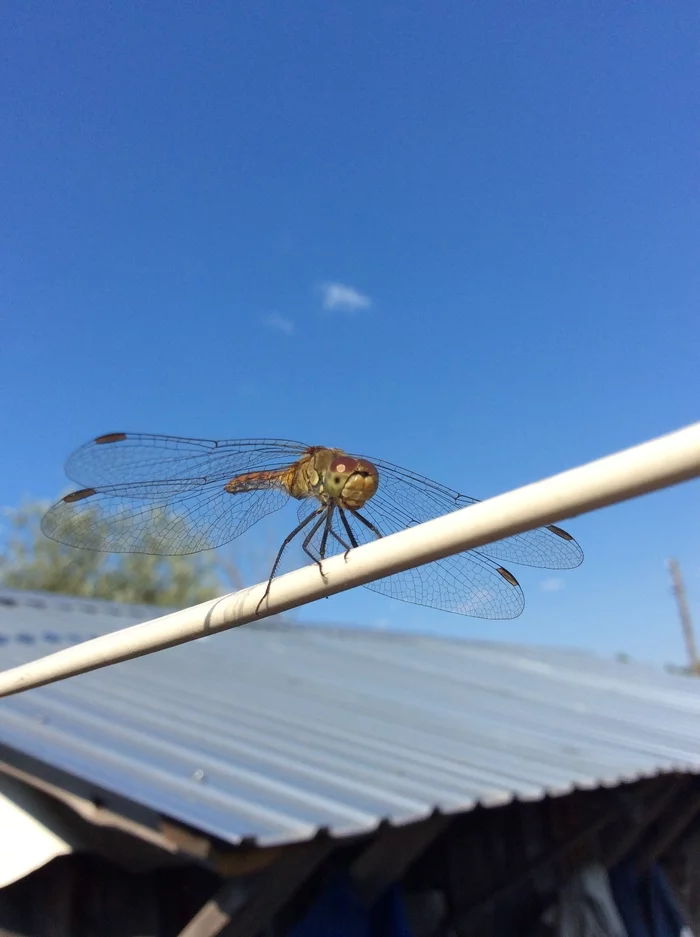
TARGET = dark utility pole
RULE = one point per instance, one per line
(684, 612)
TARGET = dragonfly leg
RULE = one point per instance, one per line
(367, 523)
(307, 540)
(348, 531)
(326, 530)
(334, 534)
(285, 543)
(329, 532)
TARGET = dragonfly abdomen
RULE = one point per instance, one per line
(259, 481)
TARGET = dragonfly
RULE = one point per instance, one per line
(169, 495)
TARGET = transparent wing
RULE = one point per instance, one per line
(409, 499)
(469, 583)
(141, 458)
(466, 584)
(170, 519)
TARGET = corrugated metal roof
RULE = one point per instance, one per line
(273, 731)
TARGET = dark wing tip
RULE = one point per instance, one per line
(559, 532)
(110, 437)
(509, 577)
(575, 554)
(78, 495)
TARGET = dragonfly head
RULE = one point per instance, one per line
(349, 480)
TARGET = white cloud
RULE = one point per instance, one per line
(552, 585)
(337, 297)
(279, 323)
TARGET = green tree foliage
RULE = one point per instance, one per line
(29, 560)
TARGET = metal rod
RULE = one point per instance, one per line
(659, 463)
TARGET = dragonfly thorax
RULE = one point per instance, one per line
(333, 475)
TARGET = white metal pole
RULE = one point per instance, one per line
(659, 463)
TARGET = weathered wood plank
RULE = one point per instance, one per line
(238, 912)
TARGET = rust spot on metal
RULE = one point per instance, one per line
(559, 532)
(110, 437)
(79, 495)
(509, 577)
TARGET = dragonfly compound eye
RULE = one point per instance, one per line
(343, 466)
(360, 485)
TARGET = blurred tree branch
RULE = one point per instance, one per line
(29, 560)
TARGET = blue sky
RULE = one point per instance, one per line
(462, 237)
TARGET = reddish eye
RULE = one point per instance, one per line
(343, 464)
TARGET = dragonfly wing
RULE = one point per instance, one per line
(548, 547)
(466, 584)
(124, 458)
(414, 499)
(172, 520)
